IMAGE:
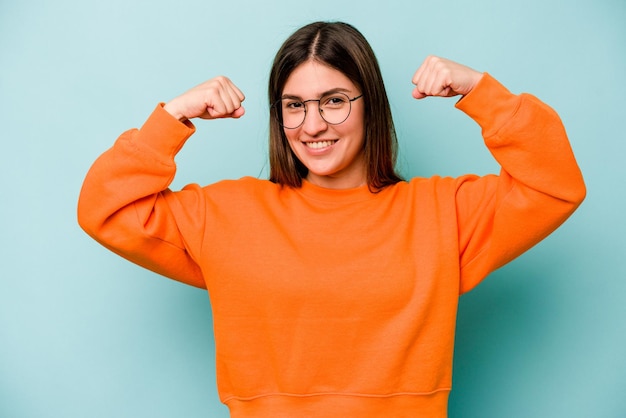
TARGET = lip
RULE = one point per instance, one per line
(321, 150)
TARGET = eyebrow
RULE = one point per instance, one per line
(331, 91)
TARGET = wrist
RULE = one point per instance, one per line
(175, 112)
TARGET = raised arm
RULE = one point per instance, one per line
(125, 203)
(539, 186)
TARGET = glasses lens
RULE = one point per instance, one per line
(335, 108)
(292, 113)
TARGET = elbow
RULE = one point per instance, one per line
(87, 217)
(580, 194)
(577, 192)
(574, 195)
(84, 221)
(85, 224)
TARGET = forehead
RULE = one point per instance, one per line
(312, 79)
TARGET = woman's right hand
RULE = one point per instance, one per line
(213, 99)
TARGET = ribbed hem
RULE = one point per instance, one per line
(433, 405)
(165, 134)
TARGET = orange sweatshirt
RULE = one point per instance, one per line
(336, 303)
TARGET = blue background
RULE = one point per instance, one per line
(86, 334)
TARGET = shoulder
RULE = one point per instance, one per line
(435, 183)
(245, 188)
(420, 190)
(247, 182)
(436, 188)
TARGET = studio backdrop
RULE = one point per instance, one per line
(84, 333)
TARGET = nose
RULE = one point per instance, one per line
(313, 122)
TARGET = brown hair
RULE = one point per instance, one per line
(342, 47)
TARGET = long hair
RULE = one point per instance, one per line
(342, 47)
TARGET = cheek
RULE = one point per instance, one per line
(290, 134)
(357, 125)
(292, 141)
(292, 138)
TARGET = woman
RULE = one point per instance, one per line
(334, 285)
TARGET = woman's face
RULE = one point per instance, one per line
(333, 154)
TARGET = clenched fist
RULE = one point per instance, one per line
(443, 78)
(213, 99)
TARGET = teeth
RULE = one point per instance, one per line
(320, 144)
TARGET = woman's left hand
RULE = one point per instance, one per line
(443, 78)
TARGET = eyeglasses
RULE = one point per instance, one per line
(334, 108)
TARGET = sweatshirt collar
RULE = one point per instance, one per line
(319, 193)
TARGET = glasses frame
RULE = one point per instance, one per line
(279, 112)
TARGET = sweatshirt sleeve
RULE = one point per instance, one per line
(125, 203)
(540, 184)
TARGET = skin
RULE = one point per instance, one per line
(443, 78)
(339, 164)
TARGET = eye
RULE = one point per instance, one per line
(336, 100)
(292, 105)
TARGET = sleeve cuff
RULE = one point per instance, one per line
(490, 104)
(164, 133)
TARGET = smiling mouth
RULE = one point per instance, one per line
(319, 144)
